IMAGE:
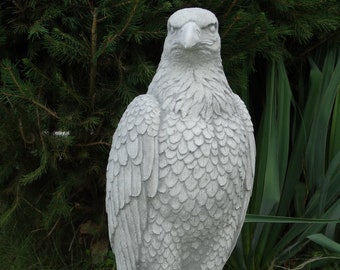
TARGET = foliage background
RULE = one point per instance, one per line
(69, 69)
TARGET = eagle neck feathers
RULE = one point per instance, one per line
(197, 91)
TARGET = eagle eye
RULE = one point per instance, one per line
(212, 27)
(172, 29)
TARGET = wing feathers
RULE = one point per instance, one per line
(250, 141)
(114, 197)
(148, 153)
(251, 162)
(132, 176)
(132, 148)
(152, 183)
(128, 182)
(136, 180)
(121, 187)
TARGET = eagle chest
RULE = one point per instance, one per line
(200, 170)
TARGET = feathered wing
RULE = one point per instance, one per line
(132, 177)
(250, 155)
(248, 159)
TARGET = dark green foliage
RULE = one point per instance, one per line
(294, 177)
(68, 70)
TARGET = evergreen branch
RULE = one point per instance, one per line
(32, 71)
(52, 113)
(6, 216)
(21, 9)
(93, 144)
(39, 127)
(129, 18)
(319, 43)
(116, 35)
(32, 206)
(23, 136)
(68, 89)
(66, 47)
(23, 96)
(38, 172)
(93, 68)
(225, 15)
(53, 228)
(11, 74)
(236, 19)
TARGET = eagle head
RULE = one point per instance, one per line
(192, 35)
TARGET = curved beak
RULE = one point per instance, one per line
(189, 35)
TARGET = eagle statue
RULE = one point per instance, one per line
(181, 167)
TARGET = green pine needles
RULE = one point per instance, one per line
(68, 69)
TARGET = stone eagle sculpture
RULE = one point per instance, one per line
(181, 167)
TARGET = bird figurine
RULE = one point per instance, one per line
(181, 167)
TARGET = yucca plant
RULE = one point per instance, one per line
(298, 174)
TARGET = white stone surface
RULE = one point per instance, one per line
(181, 168)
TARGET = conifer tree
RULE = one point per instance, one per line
(68, 70)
